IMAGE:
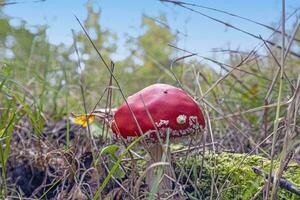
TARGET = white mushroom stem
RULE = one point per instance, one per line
(156, 152)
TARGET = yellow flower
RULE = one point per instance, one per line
(83, 120)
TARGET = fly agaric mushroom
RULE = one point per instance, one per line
(161, 111)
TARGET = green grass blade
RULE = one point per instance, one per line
(115, 167)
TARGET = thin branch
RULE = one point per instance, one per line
(20, 2)
(283, 183)
(171, 67)
(228, 25)
(218, 62)
(234, 15)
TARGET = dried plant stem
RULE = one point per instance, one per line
(182, 5)
(81, 83)
(276, 122)
(290, 121)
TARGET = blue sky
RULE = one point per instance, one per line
(124, 17)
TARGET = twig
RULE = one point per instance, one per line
(234, 15)
(283, 183)
(225, 76)
(218, 62)
(228, 25)
(19, 2)
(257, 109)
(81, 83)
(176, 60)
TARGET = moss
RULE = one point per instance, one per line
(233, 175)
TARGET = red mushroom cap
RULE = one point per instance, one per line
(170, 108)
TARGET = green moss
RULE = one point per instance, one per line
(233, 176)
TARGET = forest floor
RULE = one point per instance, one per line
(41, 167)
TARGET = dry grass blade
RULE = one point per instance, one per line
(230, 26)
(111, 73)
(234, 15)
(19, 2)
(81, 84)
(143, 175)
(277, 72)
(257, 109)
(221, 64)
(276, 122)
(287, 145)
(226, 75)
(176, 60)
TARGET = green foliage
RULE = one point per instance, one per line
(111, 150)
(94, 75)
(153, 54)
(115, 167)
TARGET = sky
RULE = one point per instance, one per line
(197, 33)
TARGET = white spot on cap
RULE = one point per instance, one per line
(162, 123)
(175, 135)
(181, 119)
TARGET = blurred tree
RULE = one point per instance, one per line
(50, 72)
(154, 51)
(95, 74)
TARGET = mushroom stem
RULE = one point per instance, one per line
(156, 152)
